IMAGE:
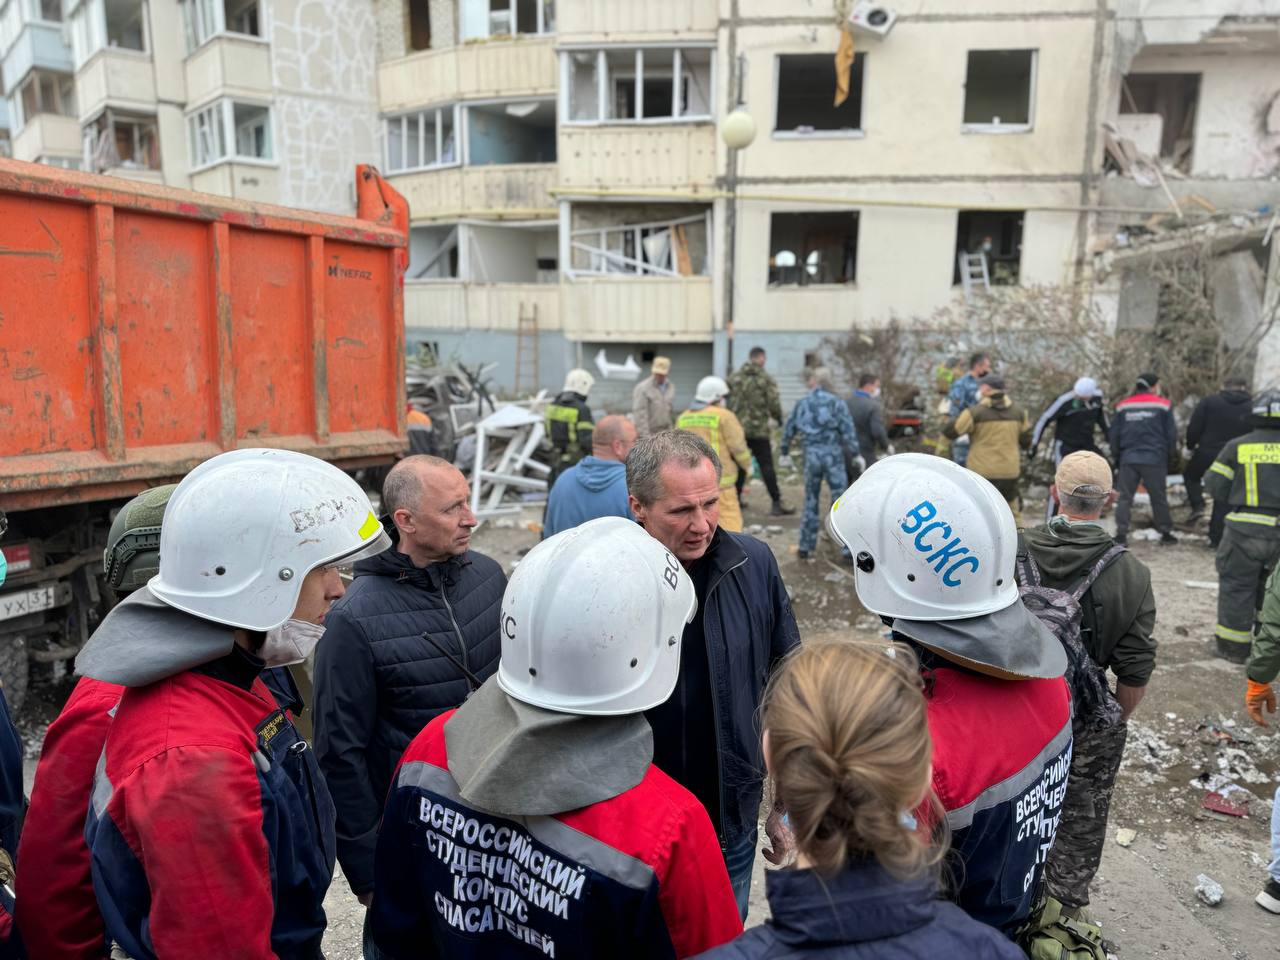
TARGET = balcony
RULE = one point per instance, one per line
(458, 305)
(39, 45)
(1232, 195)
(244, 181)
(506, 67)
(229, 66)
(121, 77)
(604, 309)
(638, 155)
(517, 191)
(590, 19)
(47, 134)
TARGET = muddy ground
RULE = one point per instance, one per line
(1191, 725)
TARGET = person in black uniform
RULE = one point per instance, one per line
(1216, 420)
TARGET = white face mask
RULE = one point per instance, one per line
(291, 642)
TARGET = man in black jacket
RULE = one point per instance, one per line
(1216, 421)
(415, 634)
(706, 736)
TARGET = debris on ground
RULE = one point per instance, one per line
(1208, 890)
(1219, 803)
(1125, 836)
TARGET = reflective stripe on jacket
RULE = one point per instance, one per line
(720, 428)
(569, 427)
(211, 829)
(1247, 476)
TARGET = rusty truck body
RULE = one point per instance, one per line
(144, 330)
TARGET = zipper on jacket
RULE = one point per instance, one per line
(715, 700)
(457, 631)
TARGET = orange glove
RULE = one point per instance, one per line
(1257, 695)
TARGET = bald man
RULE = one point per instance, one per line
(416, 632)
(596, 486)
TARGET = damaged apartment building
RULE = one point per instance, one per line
(570, 190)
(975, 148)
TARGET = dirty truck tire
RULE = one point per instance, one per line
(13, 670)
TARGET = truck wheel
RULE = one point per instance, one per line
(13, 670)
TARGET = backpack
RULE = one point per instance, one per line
(1061, 611)
(1051, 935)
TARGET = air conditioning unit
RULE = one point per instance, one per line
(874, 18)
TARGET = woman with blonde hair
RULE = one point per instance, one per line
(846, 744)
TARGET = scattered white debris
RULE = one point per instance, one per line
(1125, 836)
(755, 529)
(773, 529)
(1208, 890)
(1171, 716)
(1200, 584)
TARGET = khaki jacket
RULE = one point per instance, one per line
(720, 428)
(651, 406)
(999, 429)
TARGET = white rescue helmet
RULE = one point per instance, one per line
(592, 621)
(931, 540)
(711, 390)
(579, 381)
(242, 530)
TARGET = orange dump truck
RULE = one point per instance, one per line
(144, 330)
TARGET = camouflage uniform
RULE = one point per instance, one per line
(1096, 751)
(822, 419)
(753, 397)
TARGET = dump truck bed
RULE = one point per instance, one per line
(145, 329)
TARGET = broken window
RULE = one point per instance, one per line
(205, 19)
(228, 129)
(637, 84)
(419, 25)
(520, 132)
(999, 90)
(97, 24)
(503, 18)
(813, 248)
(118, 140)
(433, 253)
(422, 140)
(1158, 113)
(511, 254)
(49, 11)
(806, 93)
(991, 238)
(45, 92)
(66, 163)
(657, 240)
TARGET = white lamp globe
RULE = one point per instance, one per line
(738, 129)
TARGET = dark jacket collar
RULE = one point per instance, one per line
(238, 668)
(398, 566)
(862, 903)
(723, 554)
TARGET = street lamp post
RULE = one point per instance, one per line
(737, 131)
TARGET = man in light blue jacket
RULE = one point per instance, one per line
(595, 486)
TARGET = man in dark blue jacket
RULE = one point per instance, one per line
(595, 486)
(1144, 438)
(415, 634)
(1216, 421)
(706, 736)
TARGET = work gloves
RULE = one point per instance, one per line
(1256, 696)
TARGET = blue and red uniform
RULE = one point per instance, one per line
(57, 912)
(211, 829)
(1001, 751)
(637, 875)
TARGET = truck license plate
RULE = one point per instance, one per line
(28, 601)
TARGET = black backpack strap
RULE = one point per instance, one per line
(1104, 561)
(1028, 572)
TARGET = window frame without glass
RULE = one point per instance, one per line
(476, 18)
(64, 91)
(112, 118)
(205, 20)
(681, 82)
(1027, 126)
(438, 139)
(216, 124)
(88, 22)
(805, 264)
(857, 87)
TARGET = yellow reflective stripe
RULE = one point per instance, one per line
(1219, 467)
(1261, 519)
(1250, 484)
(702, 421)
(1240, 636)
(369, 527)
(562, 414)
